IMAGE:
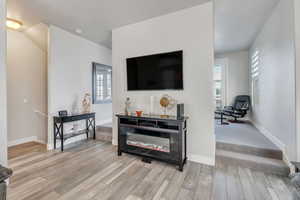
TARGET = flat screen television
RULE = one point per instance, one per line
(155, 72)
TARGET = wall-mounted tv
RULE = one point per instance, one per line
(155, 72)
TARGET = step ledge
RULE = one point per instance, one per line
(255, 162)
(250, 150)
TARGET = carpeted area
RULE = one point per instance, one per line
(242, 134)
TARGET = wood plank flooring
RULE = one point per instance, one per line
(93, 171)
(25, 148)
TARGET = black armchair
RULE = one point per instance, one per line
(239, 109)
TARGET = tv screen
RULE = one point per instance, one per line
(155, 72)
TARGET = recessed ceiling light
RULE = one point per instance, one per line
(13, 24)
(79, 31)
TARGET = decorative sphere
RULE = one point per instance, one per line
(164, 101)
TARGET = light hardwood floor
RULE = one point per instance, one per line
(93, 171)
(25, 148)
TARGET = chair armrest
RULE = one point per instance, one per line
(244, 109)
(5, 173)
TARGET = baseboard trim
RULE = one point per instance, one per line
(40, 141)
(25, 140)
(114, 142)
(269, 135)
(106, 121)
(49, 147)
(202, 159)
(275, 141)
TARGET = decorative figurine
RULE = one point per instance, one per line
(167, 102)
(127, 106)
(86, 103)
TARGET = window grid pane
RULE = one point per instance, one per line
(103, 88)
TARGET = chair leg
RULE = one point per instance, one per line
(222, 120)
(236, 121)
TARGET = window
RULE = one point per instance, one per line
(102, 77)
(218, 85)
(255, 71)
(255, 61)
(220, 72)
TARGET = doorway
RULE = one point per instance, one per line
(102, 99)
(26, 89)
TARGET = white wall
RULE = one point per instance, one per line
(70, 73)
(297, 48)
(275, 112)
(3, 117)
(26, 89)
(237, 75)
(39, 35)
(192, 31)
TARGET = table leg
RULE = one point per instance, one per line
(180, 167)
(87, 128)
(62, 137)
(94, 127)
(185, 145)
(54, 135)
(222, 120)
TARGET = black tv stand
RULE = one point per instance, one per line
(153, 137)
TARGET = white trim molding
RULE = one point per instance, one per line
(114, 142)
(49, 147)
(275, 141)
(106, 121)
(202, 159)
(271, 137)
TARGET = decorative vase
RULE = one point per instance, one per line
(127, 106)
(86, 103)
(152, 100)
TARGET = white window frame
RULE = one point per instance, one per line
(255, 68)
(224, 63)
(102, 83)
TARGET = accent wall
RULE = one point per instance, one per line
(190, 30)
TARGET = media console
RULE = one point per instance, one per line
(153, 137)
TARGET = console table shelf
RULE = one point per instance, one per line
(75, 134)
(153, 137)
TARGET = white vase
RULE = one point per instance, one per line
(152, 102)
